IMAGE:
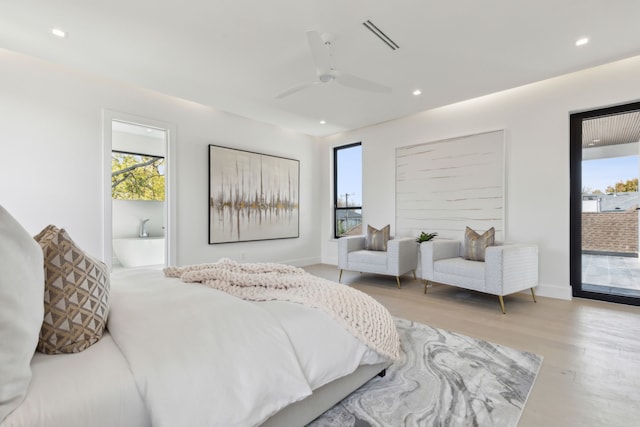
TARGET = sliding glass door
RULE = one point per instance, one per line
(605, 202)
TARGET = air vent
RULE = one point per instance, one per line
(382, 36)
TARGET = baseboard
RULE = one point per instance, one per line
(302, 262)
(550, 291)
(330, 261)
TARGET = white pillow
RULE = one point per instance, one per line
(21, 309)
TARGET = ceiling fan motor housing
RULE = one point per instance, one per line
(326, 77)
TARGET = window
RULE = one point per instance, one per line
(137, 176)
(347, 190)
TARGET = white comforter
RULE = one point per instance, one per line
(202, 357)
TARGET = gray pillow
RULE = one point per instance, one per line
(21, 309)
(376, 240)
(475, 245)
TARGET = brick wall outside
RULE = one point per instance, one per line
(610, 231)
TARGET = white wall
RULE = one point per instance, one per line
(51, 161)
(536, 122)
(51, 158)
(609, 151)
(128, 214)
(139, 144)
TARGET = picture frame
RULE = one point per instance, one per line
(252, 196)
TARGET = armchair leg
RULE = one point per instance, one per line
(398, 281)
(501, 304)
(414, 275)
(340, 277)
(426, 285)
(533, 294)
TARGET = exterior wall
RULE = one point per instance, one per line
(610, 232)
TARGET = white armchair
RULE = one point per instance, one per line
(400, 257)
(506, 269)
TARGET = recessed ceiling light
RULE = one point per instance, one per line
(322, 122)
(58, 32)
(149, 130)
(582, 41)
(417, 92)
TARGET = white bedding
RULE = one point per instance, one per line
(199, 357)
(92, 388)
(238, 365)
(325, 350)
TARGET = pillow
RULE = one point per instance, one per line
(475, 244)
(376, 240)
(76, 296)
(21, 289)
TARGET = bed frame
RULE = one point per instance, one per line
(303, 412)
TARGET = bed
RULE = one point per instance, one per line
(176, 353)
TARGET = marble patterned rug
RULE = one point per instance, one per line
(443, 379)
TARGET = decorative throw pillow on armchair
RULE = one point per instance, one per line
(476, 244)
(376, 240)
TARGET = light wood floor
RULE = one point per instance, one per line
(590, 375)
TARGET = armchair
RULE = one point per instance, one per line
(506, 269)
(400, 257)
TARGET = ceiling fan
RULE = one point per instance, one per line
(320, 46)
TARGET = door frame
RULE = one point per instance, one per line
(170, 214)
(575, 209)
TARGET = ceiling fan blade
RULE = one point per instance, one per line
(355, 82)
(295, 89)
(319, 51)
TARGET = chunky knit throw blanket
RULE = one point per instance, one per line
(357, 312)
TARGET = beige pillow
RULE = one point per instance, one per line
(76, 297)
(376, 240)
(475, 244)
(21, 289)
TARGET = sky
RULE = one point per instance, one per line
(598, 174)
(350, 172)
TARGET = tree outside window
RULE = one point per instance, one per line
(137, 176)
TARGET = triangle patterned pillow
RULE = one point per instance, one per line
(76, 295)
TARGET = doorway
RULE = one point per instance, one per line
(605, 204)
(138, 186)
(139, 176)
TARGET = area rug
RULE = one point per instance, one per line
(443, 379)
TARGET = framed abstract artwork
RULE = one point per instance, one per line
(252, 196)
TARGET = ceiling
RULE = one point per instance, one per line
(237, 55)
(149, 132)
(623, 128)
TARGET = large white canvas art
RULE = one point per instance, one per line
(252, 196)
(445, 186)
